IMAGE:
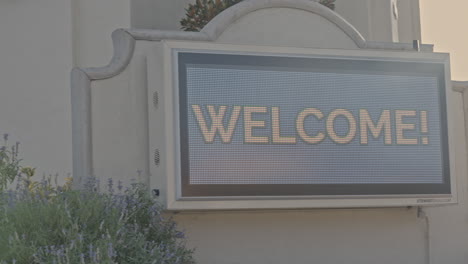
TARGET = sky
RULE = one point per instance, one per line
(445, 24)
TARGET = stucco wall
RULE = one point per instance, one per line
(35, 61)
(93, 23)
(357, 236)
(41, 41)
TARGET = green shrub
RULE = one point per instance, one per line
(59, 225)
(41, 222)
(199, 14)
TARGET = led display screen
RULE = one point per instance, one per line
(264, 125)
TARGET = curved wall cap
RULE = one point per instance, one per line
(124, 45)
(124, 39)
(222, 21)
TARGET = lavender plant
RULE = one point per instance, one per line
(119, 226)
(202, 11)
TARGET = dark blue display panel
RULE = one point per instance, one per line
(288, 126)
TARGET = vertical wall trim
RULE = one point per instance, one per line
(81, 126)
(124, 46)
(394, 19)
(416, 18)
(370, 29)
(74, 31)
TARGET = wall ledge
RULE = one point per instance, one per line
(459, 86)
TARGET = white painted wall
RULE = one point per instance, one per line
(41, 41)
(93, 23)
(158, 14)
(35, 62)
(358, 236)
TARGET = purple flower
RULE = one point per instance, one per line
(92, 254)
(119, 186)
(72, 244)
(11, 198)
(110, 186)
(110, 251)
(180, 235)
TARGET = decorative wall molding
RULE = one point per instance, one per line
(157, 35)
(222, 21)
(81, 126)
(124, 45)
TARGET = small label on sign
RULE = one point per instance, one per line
(445, 200)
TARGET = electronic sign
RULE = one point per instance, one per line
(310, 125)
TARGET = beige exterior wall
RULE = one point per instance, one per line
(35, 61)
(41, 40)
(93, 23)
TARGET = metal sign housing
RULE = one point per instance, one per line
(272, 127)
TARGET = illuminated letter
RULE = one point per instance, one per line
(423, 118)
(216, 122)
(331, 126)
(383, 123)
(275, 123)
(249, 124)
(400, 127)
(300, 125)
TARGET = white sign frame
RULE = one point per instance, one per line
(170, 157)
